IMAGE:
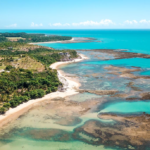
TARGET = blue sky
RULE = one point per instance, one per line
(74, 14)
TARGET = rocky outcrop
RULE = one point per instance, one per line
(125, 72)
(145, 96)
(65, 56)
(64, 82)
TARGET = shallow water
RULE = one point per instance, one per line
(136, 62)
(127, 107)
(27, 144)
(51, 125)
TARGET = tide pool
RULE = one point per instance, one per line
(147, 73)
(128, 107)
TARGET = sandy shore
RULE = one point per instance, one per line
(65, 41)
(73, 40)
(70, 85)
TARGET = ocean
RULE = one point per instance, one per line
(42, 128)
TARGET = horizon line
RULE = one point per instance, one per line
(82, 29)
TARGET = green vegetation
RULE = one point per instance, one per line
(9, 41)
(26, 38)
(24, 68)
(10, 45)
(9, 67)
(20, 85)
(15, 38)
(43, 55)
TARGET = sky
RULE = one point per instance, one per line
(74, 14)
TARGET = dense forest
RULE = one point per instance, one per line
(10, 45)
(20, 84)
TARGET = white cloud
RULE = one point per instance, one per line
(86, 23)
(57, 24)
(40, 24)
(93, 23)
(131, 22)
(134, 21)
(33, 24)
(36, 25)
(12, 25)
(145, 21)
(66, 24)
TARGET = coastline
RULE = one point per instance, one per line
(54, 41)
(73, 40)
(69, 83)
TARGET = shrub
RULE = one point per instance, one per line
(38, 93)
(2, 110)
(7, 105)
(21, 69)
(18, 100)
(54, 88)
(9, 67)
(48, 90)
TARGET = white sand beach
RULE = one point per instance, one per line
(70, 85)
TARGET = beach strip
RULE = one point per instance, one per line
(70, 83)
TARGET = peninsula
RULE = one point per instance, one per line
(26, 75)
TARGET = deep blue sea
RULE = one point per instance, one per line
(93, 76)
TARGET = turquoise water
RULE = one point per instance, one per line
(136, 62)
(128, 107)
(146, 73)
(93, 76)
(132, 40)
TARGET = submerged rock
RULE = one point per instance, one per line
(128, 132)
(100, 92)
(68, 121)
(145, 96)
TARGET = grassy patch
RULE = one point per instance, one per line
(28, 63)
(15, 38)
(2, 67)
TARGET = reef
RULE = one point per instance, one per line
(125, 72)
(145, 96)
(122, 54)
(99, 92)
(129, 132)
(135, 128)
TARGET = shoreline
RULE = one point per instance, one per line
(54, 41)
(69, 83)
(73, 40)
